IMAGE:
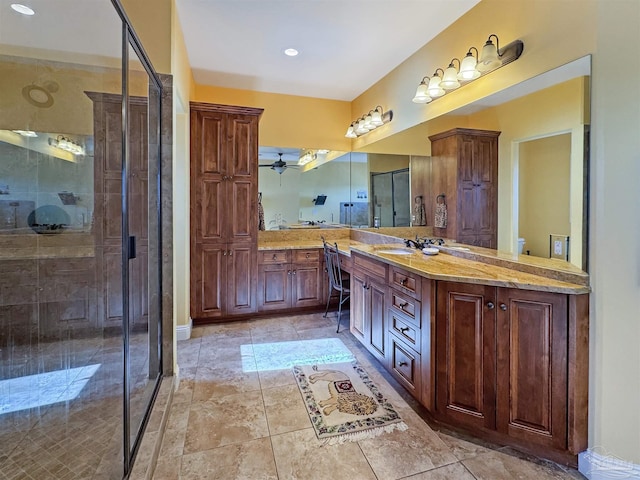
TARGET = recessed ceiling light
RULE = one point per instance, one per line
(23, 9)
(291, 52)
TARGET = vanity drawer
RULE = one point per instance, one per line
(404, 329)
(270, 257)
(306, 256)
(408, 306)
(405, 281)
(378, 269)
(405, 366)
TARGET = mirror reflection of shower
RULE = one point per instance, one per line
(390, 193)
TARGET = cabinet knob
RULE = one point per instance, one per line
(275, 257)
(230, 253)
(295, 271)
(403, 281)
(308, 255)
(403, 364)
(402, 305)
(490, 305)
(230, 177)
(224, 177)
(404, 329)
(288, 272)
(224, 253)
(503, 307)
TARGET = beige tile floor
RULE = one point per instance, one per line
(226, 423)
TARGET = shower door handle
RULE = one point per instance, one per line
(132, 247)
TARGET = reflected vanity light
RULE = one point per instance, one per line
(369, 121)
(470, 68)
(64, 143)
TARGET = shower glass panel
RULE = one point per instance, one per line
(61, 353)
(142, 174)
(79, 361)
(390, 193)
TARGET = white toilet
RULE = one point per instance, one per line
(521, 243)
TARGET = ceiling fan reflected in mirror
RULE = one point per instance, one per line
(279, 165)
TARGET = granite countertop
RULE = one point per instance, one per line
(35, 253)
(452, 268)
(344, 245)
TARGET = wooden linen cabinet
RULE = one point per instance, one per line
(224, 226)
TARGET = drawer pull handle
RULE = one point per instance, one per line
(503, 307)
(402, 305)
(404, 329)
(403, 281)
(308, 255)
(275, 257)
(403, 364)
(490, 305)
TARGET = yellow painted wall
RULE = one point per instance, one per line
(544, 178)
(152, 22)
(387, 163)
(183, 85)
(289, 120)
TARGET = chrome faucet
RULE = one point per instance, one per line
(416, 244)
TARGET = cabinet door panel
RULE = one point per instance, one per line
(307, 286)
(112, 275)
(484, 164)
(210, 282)
(467, 222)
(532, 343)
(244, 146)
(242, 219)
(465, 159)
(274, 287)
(378, 332)
(466, 362)
(358, 282)
(241, 280)
(207, 147)
(484, 209)
(211, 210)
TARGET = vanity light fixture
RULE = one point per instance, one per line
(470, 68)
(369, 121)
(64, 143)
(26, 133)
(23, 9)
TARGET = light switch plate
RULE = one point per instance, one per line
(559, 246)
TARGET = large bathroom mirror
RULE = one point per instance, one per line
(542, 179)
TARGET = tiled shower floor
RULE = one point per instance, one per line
(232, 420)
(73, 429)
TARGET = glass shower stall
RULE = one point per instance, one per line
(80, 285)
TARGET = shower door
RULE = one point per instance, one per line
(390, 193)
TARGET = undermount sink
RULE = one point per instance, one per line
(396, 251)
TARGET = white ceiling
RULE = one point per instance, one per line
(345, 45)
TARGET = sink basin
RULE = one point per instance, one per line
(396, 251)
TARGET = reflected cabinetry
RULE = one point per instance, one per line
(224, 226)
(465, 169)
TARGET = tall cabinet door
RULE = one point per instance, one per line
(241, 264)
(532, 339)
(486, 185)
(466, 369)
(241, 177)
(357, 305)
(207, 171)
(208, 264)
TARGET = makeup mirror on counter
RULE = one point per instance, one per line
(542, 170)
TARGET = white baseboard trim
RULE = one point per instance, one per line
(597, 464)
(183, 332)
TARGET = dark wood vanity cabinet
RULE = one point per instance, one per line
(369, 304)
(290, 279)
(224, 226)
(511, 361)
(464, 168)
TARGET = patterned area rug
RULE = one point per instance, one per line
(344, 404)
